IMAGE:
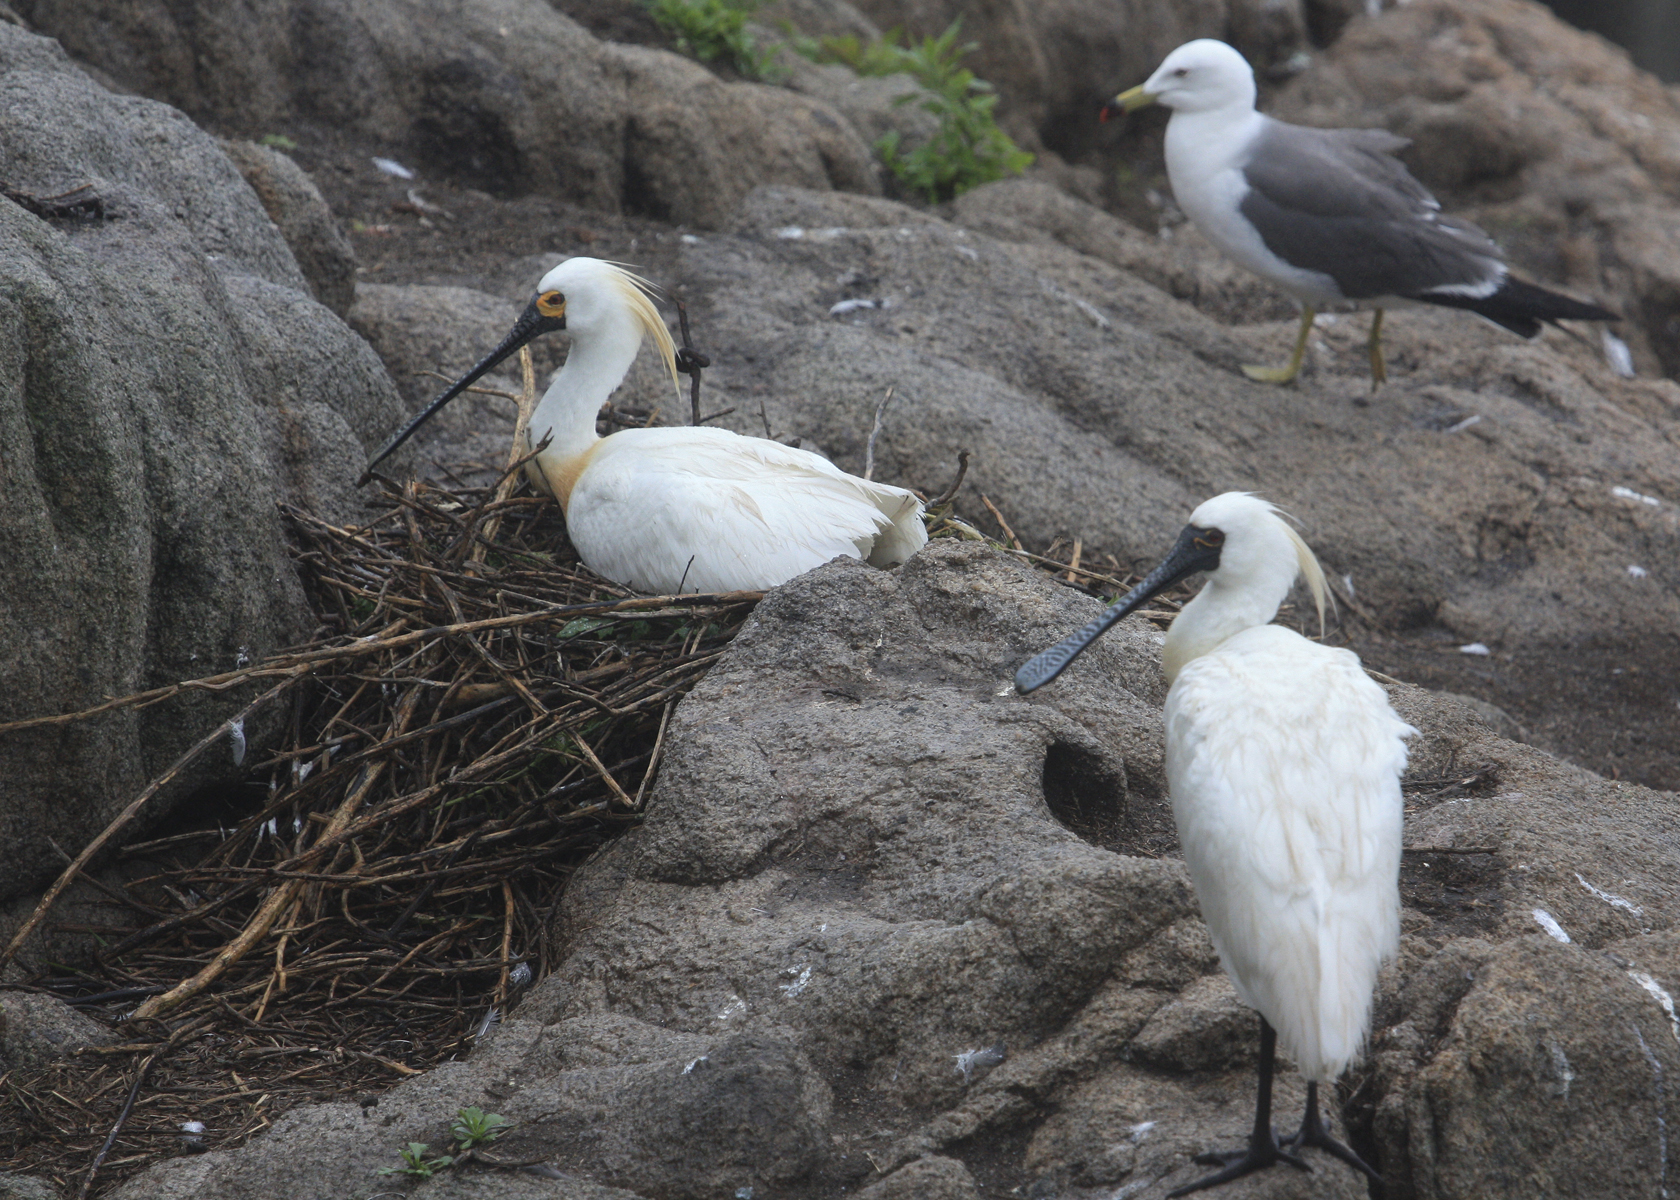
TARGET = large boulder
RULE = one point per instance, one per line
(294, 203)
(1496, 491)
(509, 95)
(889, 925)
(1054, 64)
(166, 380)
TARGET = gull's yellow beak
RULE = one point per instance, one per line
(1128, 101)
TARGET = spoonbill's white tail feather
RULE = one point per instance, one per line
(904, 532)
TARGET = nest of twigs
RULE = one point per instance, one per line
(478, 715)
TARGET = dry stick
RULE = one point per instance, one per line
(134, 807)
(653, 759)
(950, 493)
(1062, 566)
(689, 362)
(500, 1000)
(277, 977)
(1014, 542)
(516, 452)
(431, 885)
(1073, 564)
(875, 432)
(259, 925)
(1345, 595)
(122, 1119)
(601, 769)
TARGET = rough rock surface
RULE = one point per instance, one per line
(506, 94)
(1099, 408)
(166, 379)
(866, 857)
(35, 1029)
(26, 1187)
(294, 204)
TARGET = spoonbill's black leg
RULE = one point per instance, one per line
(1263, 1149)
(1313, 1133)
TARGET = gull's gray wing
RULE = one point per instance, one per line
(1337, 201)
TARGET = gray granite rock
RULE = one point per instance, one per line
(166, 380)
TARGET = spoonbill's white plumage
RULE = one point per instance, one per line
(1283, 762)
(1327, 215)
(687, 508)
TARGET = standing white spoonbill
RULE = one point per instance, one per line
(1325, 214)
(686, 508)
(1284, 761)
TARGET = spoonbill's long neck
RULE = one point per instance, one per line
(596, 364)
(1218, 612)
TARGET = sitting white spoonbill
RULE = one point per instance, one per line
(1325, 214)
(687, 508)
(1284, 761)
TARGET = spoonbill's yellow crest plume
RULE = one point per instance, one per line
(688, 508)
(1284, 762)
(1327, 215)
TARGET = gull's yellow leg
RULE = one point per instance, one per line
(1379, 372)
(1286, 374)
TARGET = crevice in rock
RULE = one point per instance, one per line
(1086, 794)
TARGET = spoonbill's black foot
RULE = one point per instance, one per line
(1313, 1133)
(1262, 1152)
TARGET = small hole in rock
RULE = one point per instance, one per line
(1086, 793)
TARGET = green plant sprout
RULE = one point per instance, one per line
(416, 1163)
(714, 29)
(475, 1127)
(471, 1128)
(968, 148)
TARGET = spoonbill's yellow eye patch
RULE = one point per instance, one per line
(1210, 539)
(552, 304)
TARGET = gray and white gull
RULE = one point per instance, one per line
(1328, 215)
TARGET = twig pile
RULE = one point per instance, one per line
(480, 715)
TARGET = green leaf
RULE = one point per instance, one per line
(712, 29)
(473, 1126)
